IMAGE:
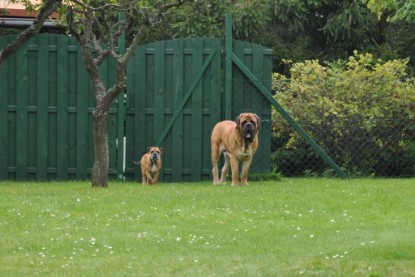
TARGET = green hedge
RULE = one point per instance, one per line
(360, 110)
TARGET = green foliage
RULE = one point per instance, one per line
(352, 22)
(319, 29)
(199, 19)
(207, 18)
(397, 9)
(349, 107)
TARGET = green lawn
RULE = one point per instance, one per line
(293, 227)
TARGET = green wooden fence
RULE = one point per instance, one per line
(46, 105)
(175, 94)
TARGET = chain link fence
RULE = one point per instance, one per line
(385, 149)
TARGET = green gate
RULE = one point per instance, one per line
(176, 95)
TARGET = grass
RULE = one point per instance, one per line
(292, 227)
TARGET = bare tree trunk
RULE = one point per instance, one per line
(104, 97)
(101, 154)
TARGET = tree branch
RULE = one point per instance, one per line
(138, 38)
(46, 10)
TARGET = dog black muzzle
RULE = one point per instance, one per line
(154, 157)
(248, 132)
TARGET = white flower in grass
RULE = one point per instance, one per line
(92, 240)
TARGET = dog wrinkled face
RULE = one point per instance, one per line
(248, 125)
(155, 153)
(248, 130)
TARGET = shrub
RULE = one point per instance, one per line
(360, 110)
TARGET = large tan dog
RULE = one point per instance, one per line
(238, 141)
(150, 165)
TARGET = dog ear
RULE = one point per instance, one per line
(258, 119)
(237, 120)
(161, 149)
(148, 149)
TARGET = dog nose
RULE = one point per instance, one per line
(249, 125)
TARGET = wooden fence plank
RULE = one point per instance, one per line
(266, 110)
(238, 82)
(81, 119)
(62, 109)
(131, 154)
(21, 114)
(216, 104)
(215, 82)
(159, 93)
(140, 123)
(256, 100)
(42, 108)
(4, 102)
(178, 132)
(196, 127)
(12, 113)
(159, 88)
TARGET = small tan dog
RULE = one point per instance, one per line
(150, 165)
(238, 141)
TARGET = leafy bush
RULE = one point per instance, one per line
(360, 110)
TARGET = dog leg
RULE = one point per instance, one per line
(143, 178)
(149, 178)
(245, 169)
(215, 158)
(156, 178)
(225, 169)
(234, 168)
